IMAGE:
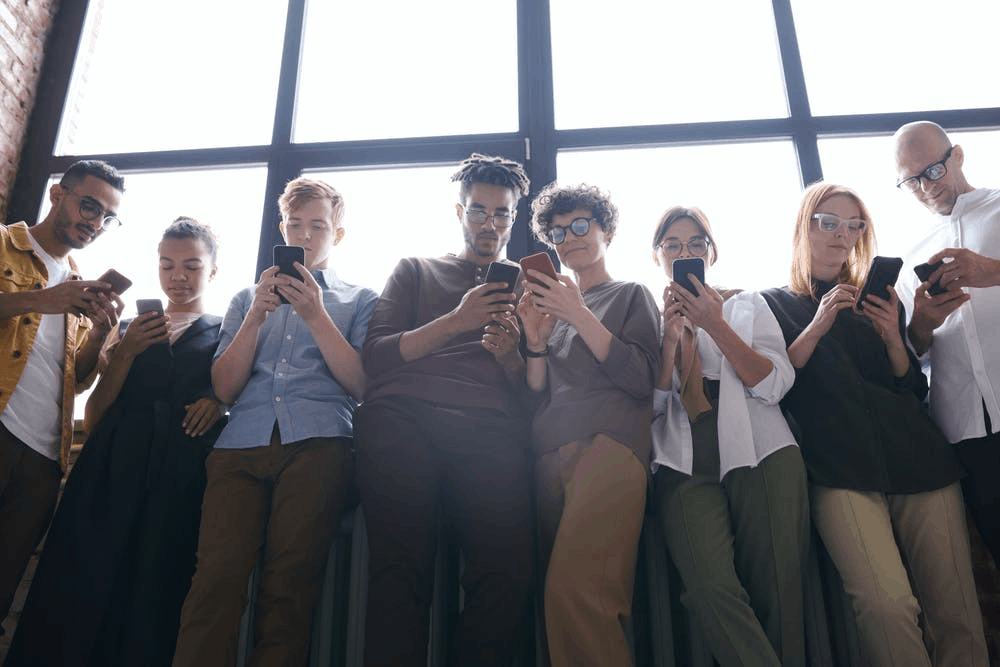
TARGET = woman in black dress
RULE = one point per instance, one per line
(884, 491)
(120, 552)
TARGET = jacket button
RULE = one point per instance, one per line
(8, 272)
(17, 354)
(38, 286)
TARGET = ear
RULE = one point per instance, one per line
(56, 193)
(211, 274)
(281, 228)
(958, 155)
(338, 235)
(459, 211)
(656, 256)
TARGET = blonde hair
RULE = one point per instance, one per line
(854, 269)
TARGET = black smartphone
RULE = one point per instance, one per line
(924, 272)
(285, 257)
(882, 273)
(502, 273)
(119, 283)
(149, 306)
(540, 262)
(682, 267)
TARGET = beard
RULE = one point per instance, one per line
(473, 242)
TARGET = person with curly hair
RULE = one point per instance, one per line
(441, 438)
(593, 350)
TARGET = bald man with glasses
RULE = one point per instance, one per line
(955, 311)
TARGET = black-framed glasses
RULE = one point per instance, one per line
(934, 172)
(90, 210)
(830, 223)
(477, 216)
(698, 246)
(579, 227)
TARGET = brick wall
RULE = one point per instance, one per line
(24, 25)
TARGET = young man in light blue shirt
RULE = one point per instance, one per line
(279, 474)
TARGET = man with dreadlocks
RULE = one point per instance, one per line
(441, 436)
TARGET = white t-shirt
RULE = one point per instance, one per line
(965, 351)
(34, 412)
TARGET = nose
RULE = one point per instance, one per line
(925, 183)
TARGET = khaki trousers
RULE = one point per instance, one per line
(870, 536)
(286, 500)
(591, 501)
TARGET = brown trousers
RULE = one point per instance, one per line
(29, 485)
(286, 500)
(591, 502)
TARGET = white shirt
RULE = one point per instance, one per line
(751, 425)
(34, 412)
(964, 354)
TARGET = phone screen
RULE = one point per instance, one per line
(285, 257)
(682, 267)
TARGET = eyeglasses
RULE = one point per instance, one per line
(934, 172)
(829, 223)
(91, 210)
(579, 227)
(478, 216)
(697, 246)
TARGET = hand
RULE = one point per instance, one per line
(884, 315)
(105, 310)
(930, 312)
(305, 296)
(537, 325)
(500, 336)
(145, 330)
(201, 415)
(837, 299)
(964, 268)
(704, 310)
(559, 297)
(264, 299)
(477, 308)
(673, 321)
(70, 296)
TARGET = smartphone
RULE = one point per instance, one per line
(119, 283)
(285, 257)
(682, 267)
(882, 273)
(924, 272)
(502, 273)
(149, 306)
(540, 262)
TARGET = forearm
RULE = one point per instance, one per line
(594, 334)
(665, 379)
(920, 337)
(513, 367)
(536, 372)
(802, 348)
(424, 340)
(87, 356)
(231, 370)
(750, 365)
(898, 359)
(107, 389)
(343, 360)
(16, 303)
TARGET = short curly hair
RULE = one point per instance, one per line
(185, 227)
(491, 170)
(555, 198)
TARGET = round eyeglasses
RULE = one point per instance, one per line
(697, 246)
(90, 210)
(934, 172)
(829, 223)
(579, 227)
(478, 216)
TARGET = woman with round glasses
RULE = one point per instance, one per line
(592, 348)
(729, 482)
(884, 488)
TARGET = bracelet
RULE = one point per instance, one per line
(535, 355)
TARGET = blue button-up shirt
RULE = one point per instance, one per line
(289, 381)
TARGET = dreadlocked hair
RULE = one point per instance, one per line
(492, 170)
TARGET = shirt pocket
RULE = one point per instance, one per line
(12, 280)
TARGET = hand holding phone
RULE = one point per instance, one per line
(149, 306)
(883, 272)
(689, 265)
(285, 257)
(924, 272)
(540, 262)
(500, 272)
